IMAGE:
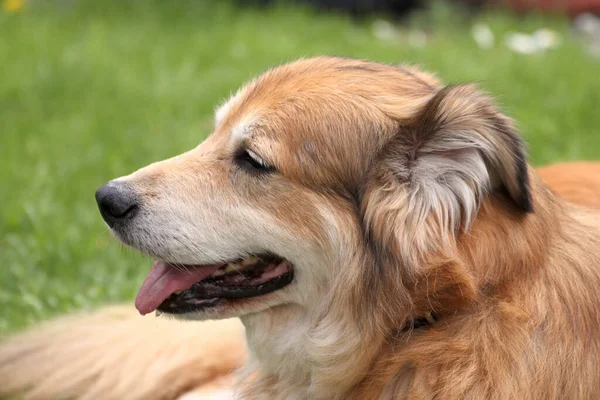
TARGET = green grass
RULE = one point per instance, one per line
(93, 90)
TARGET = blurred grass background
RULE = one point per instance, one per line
(91, 90)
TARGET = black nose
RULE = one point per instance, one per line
(116, 201)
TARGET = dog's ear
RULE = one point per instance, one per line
(433, 174)
(460, 124)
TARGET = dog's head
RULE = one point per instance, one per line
(327, 185)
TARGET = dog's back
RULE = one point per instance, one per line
(577, 182)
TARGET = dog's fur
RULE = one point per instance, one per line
(578, 182)
(395, 198)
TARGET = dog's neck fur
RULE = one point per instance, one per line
(297, 355)
(313, 352)
(294, 356)
(511, 261)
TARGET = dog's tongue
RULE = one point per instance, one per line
(164, 279)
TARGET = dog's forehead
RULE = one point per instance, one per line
(323, 112)
(269, 96)
(326, 88)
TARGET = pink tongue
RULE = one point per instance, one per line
(164, 279)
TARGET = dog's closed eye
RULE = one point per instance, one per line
(251, 162)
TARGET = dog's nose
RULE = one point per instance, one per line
(116, 201)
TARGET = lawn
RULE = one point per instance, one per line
(91, 90)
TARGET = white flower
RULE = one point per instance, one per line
(483, 35)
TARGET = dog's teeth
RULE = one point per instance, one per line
(232, 267)
(249, 261)
(157, 313)
(178, 292)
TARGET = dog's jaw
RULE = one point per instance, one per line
(310, 348)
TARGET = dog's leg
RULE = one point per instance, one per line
(117, 354)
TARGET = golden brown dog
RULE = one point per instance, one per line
(379, 236)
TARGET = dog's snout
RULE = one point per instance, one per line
(116, 201)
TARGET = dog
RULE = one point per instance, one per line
(361, 231)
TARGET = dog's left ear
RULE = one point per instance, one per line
(431, 177)
(461, 124)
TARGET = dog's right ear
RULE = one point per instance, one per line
(429, 180)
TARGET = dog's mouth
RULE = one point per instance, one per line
(183, 289)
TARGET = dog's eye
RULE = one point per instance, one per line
(249, 160)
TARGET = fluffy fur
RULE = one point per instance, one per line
(395, 198)
(115, 354)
